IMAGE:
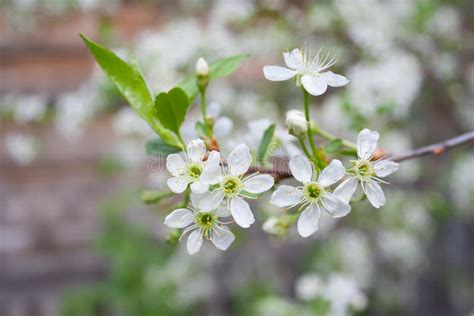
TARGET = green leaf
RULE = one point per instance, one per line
(333, 145)
(132, 86)
(171, 108)
(157, 147)
(221, 68)
(264, 143)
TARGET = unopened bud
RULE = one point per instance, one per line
(296, 123)
(202, 68)
(202, 74)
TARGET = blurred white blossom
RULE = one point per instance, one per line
(344, 294)
(21, 148)
(398, 82)
(309, 287)
(30, 108)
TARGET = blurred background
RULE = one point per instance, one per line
(75, 237)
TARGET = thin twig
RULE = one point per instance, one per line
(280, 169)
(436, 149)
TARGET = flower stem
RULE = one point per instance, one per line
(305, 149)
(203, 106)
(183, 144)
(318, 156)
(329, 136)
(186, 197)
(207, 127)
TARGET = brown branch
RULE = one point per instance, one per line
(436, 149)
(280, 168)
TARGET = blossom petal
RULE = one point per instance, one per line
(194, 242)
(335, 80)
(196, 198)
(259, 183)
(375, 194)
(346, 189)
(222, 237)
(178, 184)
(315, 85)
(335, 206)
(366, 143)
(277, 73)
(196, 150)
(212, 200)
(241, 212)
(175, 164)
(222, 211)
(308, 222)
(385, 167)
(199, 187)
(286, 196)
(179, 218)
(332, 173)
(301, 168)
(293, 58)
(212, 172)
(239, 160)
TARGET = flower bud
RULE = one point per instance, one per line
(202, 74)
(296, 123)
(202, 68)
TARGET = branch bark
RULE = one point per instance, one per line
(437, 148)
(281, 170)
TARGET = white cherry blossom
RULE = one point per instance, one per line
(313, 195)
(309, 71)
(366, 171)
(189, 169)
(231, 185)
(202, 223)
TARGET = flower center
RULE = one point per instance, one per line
(231, 185)
(313, 191)
(206, 221)
(363, 169)
(194, 170)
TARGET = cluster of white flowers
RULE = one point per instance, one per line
(218, 190)
(21, 148)
(399, 85)
(315, 193)
(218, 187)
(341, 291)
